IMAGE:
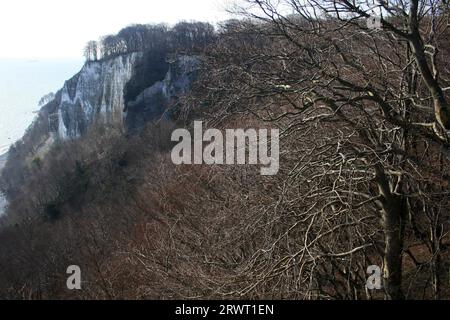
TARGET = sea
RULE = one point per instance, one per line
(22, 84)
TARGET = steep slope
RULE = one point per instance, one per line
(98, 95)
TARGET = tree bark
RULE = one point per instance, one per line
(441, 107)
(393, 222)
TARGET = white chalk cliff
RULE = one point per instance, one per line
(95, 94)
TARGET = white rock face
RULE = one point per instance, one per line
(3, 203)
(95, 94)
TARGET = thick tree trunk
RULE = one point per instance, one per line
(393, 221)
(393, 225)
(441, 107)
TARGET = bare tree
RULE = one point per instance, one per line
(91, 51)
(381, 112)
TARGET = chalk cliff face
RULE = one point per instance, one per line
(95, 94)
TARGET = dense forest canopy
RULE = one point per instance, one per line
(142, 38)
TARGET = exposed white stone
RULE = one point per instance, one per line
(96, 92)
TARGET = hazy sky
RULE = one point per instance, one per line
(35, 29)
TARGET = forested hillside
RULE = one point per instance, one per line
(364, 164)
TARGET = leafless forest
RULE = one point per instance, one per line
(364, 169)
